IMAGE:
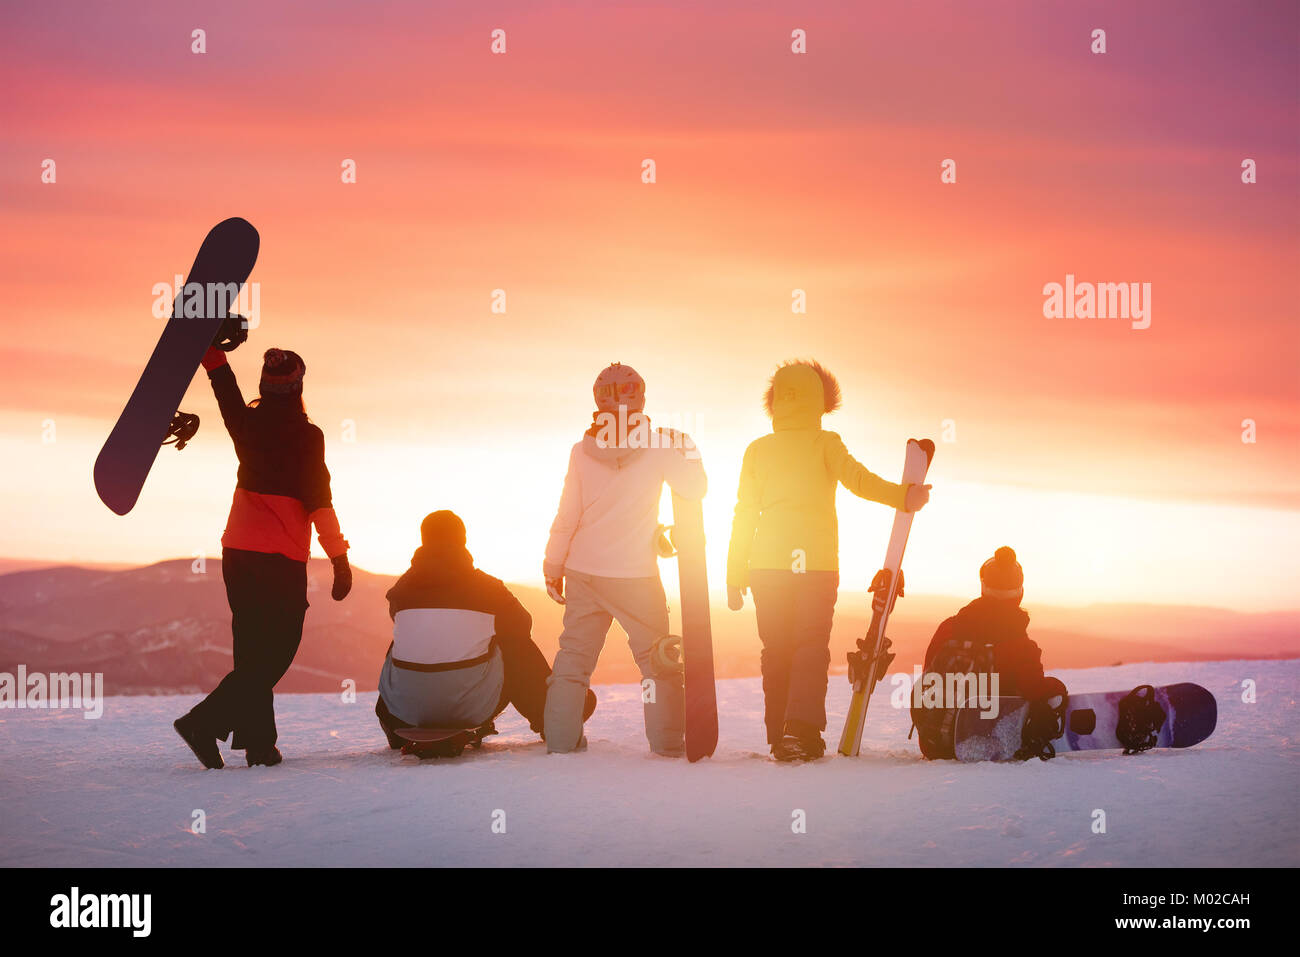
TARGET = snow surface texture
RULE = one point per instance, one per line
(122, 791)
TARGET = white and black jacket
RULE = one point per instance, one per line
(444, 669)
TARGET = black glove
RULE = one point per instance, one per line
(342, 578)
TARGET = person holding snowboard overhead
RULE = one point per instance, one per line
(462, 648)
(785, 549)
(988, 636)
(601, 562)
(282, 490)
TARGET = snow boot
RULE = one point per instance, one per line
(580, 746)
(482, 732)
(791, 748)
(588, 709)
(203, 745)
(1044, 723)
(268, 756)
(800, 743)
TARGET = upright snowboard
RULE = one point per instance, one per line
(200, 312)
(697, 637)
(1112, 719)
(868, 663)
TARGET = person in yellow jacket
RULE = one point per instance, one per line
(785, 549)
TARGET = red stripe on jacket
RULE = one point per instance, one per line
(277, 523)
(283, 484)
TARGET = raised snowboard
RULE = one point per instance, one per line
(1112, 719)
(868, 663)
(199, 314)
(697, 636)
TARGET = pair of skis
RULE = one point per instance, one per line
(867, 665)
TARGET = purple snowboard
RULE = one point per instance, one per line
(1190, 713)
(222, 266)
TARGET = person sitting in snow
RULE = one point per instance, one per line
(601, 562)
(462, 648)
(990, 636)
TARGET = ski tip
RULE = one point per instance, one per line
(927, 446)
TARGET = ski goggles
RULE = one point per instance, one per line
(612, 394)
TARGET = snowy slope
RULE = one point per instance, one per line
(121, 791)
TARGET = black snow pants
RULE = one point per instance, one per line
(268, 602)
(794, 613)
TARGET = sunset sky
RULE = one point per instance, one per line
(1111, 458)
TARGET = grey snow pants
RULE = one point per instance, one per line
(592, 605)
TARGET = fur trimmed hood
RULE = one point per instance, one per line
(799, 394)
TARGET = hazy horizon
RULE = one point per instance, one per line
(163, 627)
(10, 564)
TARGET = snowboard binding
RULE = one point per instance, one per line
(183, 428)
(232, 334)
(880, 591)
(866, 663)
(1140, 720)
(1044, 724)
(869, 663)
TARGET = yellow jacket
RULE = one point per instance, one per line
(785, 507)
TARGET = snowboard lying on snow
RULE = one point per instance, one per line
(442, 743)
(1171, 716)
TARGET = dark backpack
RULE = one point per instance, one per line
(935, 727)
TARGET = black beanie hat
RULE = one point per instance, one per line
(1001, 576)
(282, 372)
(442, 528)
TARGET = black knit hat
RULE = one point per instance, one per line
(1001, 576)
(282, 373)
(442, 528)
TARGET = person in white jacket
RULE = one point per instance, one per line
(601, 562)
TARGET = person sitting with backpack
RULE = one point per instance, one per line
(990, 636)
(462, 648)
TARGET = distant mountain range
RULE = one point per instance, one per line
(165, 628)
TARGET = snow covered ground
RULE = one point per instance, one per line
(122, 791)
